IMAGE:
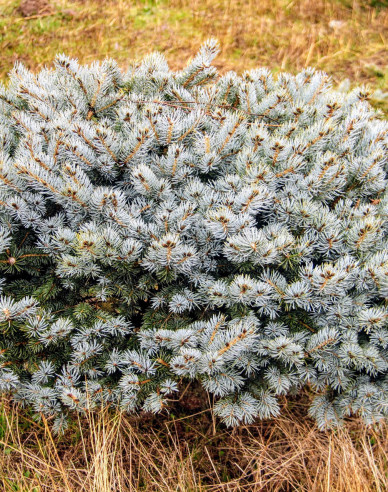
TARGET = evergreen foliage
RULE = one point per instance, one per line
(159, 227)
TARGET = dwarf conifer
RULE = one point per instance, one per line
(158, 227)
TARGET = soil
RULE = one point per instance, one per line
(29, 8)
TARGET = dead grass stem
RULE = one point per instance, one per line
(108, 451)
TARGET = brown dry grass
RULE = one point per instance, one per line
(109, 451)
(343, 37)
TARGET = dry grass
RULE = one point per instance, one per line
(114, 452)
(343, 37)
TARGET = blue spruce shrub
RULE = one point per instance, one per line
(158, 227)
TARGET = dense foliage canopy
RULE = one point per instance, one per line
(159, 227)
